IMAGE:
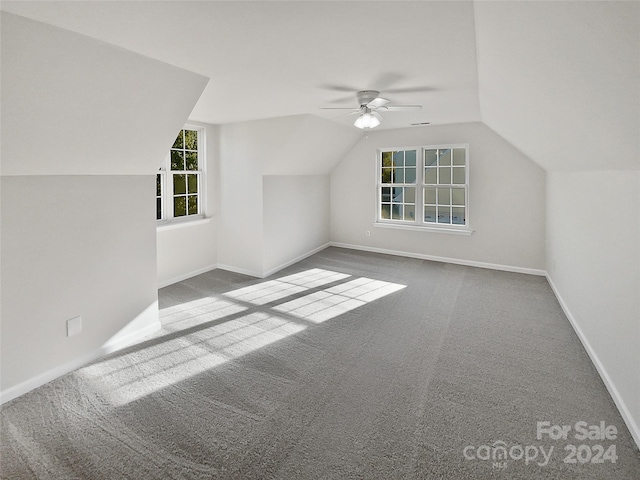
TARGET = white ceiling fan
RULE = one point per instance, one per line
(371, 105)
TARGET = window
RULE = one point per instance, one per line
(179, 183)
(424, 187)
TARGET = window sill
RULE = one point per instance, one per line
(416, 228)
(180, 223)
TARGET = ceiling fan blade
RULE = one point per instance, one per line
(338, 88)
(411, 89)
(338, 108)
(400, 108)
(342, 100)
(377, 115)
(377, 102)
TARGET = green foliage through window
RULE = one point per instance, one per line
(181, 194)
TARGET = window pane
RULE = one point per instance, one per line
(430, 214)
(410, 175)
(179, 184)
(410, 158)
(445, 175)
(191, 139)
(192, 181)
(179, 141)
(457, 215)
(457, 196)
(430, 158)
(396, 212)
(179, 206)
(445, 157)
(193, 204)
(177, 160)
(410, 212)
(444, 214)
(444, 196)
(430, 195)
(458, 175)
(430, 176)
(443, 182)
(192, 161)
(410, 195)
(179, 181)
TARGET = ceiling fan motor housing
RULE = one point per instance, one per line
(366, 96)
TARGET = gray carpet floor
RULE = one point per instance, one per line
(347, 365)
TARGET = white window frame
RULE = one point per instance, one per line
(418, 223)
(166, 184)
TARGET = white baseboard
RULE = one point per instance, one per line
(608, 382)
(115, 343)
(457, 261)
(179, 278)
(240, 270)
(295, 260)
(271, 271)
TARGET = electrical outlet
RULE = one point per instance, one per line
(74, 325)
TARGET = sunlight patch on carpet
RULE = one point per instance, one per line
(273, 290)
(127, 378)
(203, 333)
(321, 306)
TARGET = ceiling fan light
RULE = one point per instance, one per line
(366, 120)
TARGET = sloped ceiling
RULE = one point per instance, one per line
(275, 59)
(74, 106)
(559, 80)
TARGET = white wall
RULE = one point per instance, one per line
(55, 268)
(83, 124)
(506, 200)
(279, 146)
(593, 262)
(560, 81)
(187, 249)
(296, 217)
(244, 148)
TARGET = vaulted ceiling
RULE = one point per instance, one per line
(559, 80)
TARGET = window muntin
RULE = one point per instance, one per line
(398, 190)
(445, 185)
(433, 193)
(179, 189)
(159, 195)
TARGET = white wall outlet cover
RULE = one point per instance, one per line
(74, 325)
